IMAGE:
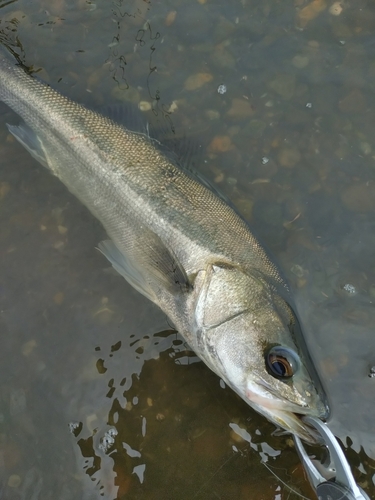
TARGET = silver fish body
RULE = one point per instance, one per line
(179, 244)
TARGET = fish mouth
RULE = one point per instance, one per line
(293, 423)
(288, 415)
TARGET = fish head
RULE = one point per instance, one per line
(250, 336)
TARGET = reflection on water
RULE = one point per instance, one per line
(95, 403)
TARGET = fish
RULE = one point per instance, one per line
(180, 243)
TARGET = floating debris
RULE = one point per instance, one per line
(108, 439)
(265, 160)
(222, 89)
(75, 428)
(349, 288)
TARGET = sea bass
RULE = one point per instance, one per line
(178, 243)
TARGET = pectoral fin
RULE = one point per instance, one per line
(30, 141)
(148, 265)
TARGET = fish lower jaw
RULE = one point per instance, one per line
(285, 415)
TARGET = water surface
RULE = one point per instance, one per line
(100, 398)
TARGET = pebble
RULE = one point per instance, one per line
(14, 481)
(254, 128)
(289, 157)
(58, 298)
(104, 313)
(10, 456)
(4, 189)
(222, 58)
(220, 144)
(171, 17)
(196, 81)
(284, 85)
(365, 147)
(232, 181)
(298, 270)
(62, 229)
(144, 106)
(90, 419)
(212, 114)
(58, 245)
(17, 403)
(122, 94)
(300, 61)
(310, 12)
(28, 347)
(354, 102)
(359, 196)
(335, 9)
(328, 367)
(245, 207)
(240, 108)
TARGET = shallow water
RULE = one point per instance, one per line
(99, 397)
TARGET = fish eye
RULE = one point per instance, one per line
(281, 362)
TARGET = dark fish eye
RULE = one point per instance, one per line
(281, 362)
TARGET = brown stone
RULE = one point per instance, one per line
(354, 102)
